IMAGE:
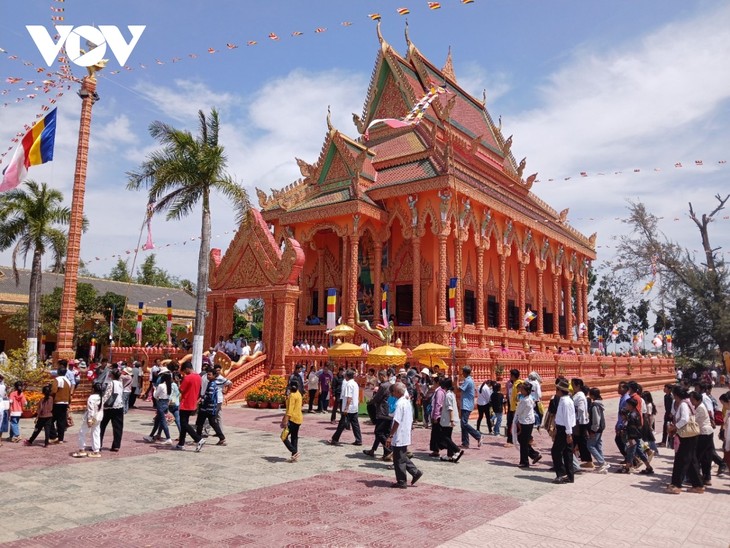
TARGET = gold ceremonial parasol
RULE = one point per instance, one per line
(433, 361)
(344, 350)
(432, 350)
(342, 331)
(386, 355)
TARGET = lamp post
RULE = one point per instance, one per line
(65, 348)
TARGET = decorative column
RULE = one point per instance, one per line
(377, 274)
(579, 304)
(540, 318)
(65, 347)
(442, 280)
(352, 293)
(320, 285)
(584, 290)
(416, 252)
(568, 304)
(503, 292)
(459, 283)
(556, 304)
(480, 287)
(523, 304)
(345, 278)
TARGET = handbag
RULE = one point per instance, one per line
(691, 428)
(284, 434)
(69, 421)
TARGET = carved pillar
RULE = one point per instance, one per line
(556, 305)
(584, 290)
(503, 292)
(459, 283)
(352, 290)
(224, 318)
(279, 312)
(568, 304)
(579, 305)
(320, 285)
(523, 304)
(377, 273)
(480, 287)
(345, 273)
(442, 280)
(416, 243)
(540, 318)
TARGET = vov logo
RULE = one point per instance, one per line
(96, 38)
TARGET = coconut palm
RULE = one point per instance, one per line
(30, 219)
(178, 177)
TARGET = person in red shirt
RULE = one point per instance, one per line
(189, 397)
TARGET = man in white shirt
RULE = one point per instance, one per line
(400, 439)
(350, 403)
(259, 346)
(562, 450)
(582, 419)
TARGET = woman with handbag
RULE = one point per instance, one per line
(704, 440)
(91, 423)
(687, 430)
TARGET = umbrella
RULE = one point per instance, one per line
(433, 361)
(386, 355)
(432, 350)
(344, 350)
(342, 331)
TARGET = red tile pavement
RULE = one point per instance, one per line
(341, 508)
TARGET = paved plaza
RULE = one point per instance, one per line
(247, 494)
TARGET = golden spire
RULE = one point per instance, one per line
(329, 119)
(448, 69)
(408, 39)
(380, 34)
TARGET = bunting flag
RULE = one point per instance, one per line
(529, 316)
(434, 5)
(384, 304)
(614, 332)
(331, 308)
(375, 16)
(403, 11)
(657, 341)
(92, 349)
(149, 244)
(35, 148)
(668, 339)
(413, 117)
(582, 328)
(600, 343)
(138, 329)
(452, 301)
(169, 322)
(648, 286)
(111, 324)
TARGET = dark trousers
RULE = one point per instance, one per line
(524, 436)
(620, 443)
(562, 454)
(133, 397)
(345, 419)
(45, 424)
(704, 455)
(685, 463)
(403, 464)
(382, 430)
(484, 412)
(467, 429)
(580, 438)
(435, 442)
(212, 419)
(335, 406)
(312, 397)
(510, 419)
(60, 415)
(446, 442)
(665, 434)
(116, 416)
(292, 440)
(187, 428)
(324, 398)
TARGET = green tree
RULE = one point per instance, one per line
(179, 177)
(120, 272)
(609, 305)
(151, 274)
(30, 219)
(663, 321)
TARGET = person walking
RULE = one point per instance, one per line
(513, 390)
(17, 404)
(483, 405)
(113, 410)
(136, 384)
(704, 440)
(437, 405)
(596, 426)
(161, 397)
(292, 420)
(61, 390)
(312, 387)
(562, 449)
(525, 417)
(449, 416)
(44, 420)
(337, 382)
(382, 417)
(467, 406)
(350, 402)
(685, 459)
(90, 424)
(209, 410)
(582, 419)
(400, 438)
(496, 402)
(668, 400)
(325, 380)
(189, 397)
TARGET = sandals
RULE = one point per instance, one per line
(95, 455)
(79, 454)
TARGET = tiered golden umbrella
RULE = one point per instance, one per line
(344, 350)
(431, 354)
(386, 355)
(342, 331)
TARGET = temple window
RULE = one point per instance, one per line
(470, 307)
(492, 311)
(404, 304)
(513, 315)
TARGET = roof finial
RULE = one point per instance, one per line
(448, 69)
(408, 39)
(484, 97)
(380, 34)
(329, 118)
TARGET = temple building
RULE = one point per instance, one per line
(411, 206)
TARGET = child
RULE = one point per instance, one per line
(292, 420)
(17, 404)
(44, 421)
(648, 426)
(90, 423)
(633, 437)
(497, 403)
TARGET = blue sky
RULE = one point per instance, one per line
(595, 86)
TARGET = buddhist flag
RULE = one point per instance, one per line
(92, 349)
(138, 329)
(434, 5)
(614, 332)
(169, 322)
(375, 16)
(331, 306)
(35, 148)
(403, 11)
(384, 304)
(452, 301)
(529, 316)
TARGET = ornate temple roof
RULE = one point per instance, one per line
(456, 140)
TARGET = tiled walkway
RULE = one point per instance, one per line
(247, 494)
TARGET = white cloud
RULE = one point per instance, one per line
(183, 101)
(474, 78)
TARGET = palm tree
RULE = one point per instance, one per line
(29, 219)
(179, 176)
